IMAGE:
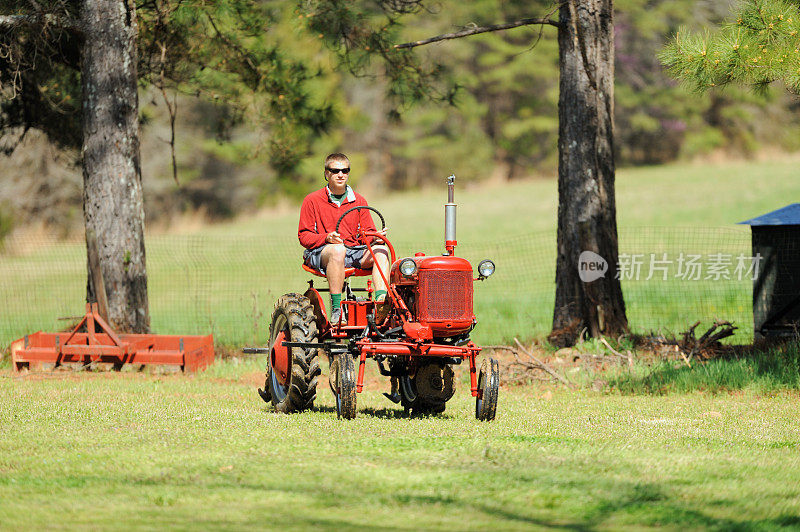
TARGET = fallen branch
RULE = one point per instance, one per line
(708, 340)
(525, 366)
(688, 335)
(541, 364)
(726, 329)
(685, 359)
(624, 357)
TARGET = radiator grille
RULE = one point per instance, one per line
(445, 295)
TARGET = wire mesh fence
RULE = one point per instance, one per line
(227, 284)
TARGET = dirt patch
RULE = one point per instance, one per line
(539, 362)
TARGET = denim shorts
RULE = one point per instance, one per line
(352, 257)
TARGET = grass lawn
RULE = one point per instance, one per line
(712, 447)
(128, 451)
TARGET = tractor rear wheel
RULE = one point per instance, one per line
(428, 391)
(488, 387)
(291, 380)
(342, 379)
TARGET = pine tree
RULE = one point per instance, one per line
(758, 46)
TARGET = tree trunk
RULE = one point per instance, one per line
(112, 194)
(586, 207)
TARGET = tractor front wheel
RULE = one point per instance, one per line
(428, 391)
(488, 386)
(342, 379)
(291, 380)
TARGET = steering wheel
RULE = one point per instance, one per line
(348, 211)
(365, 235)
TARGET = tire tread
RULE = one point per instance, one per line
(302, 327)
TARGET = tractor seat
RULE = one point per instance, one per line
(348, 272)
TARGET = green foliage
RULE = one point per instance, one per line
(46, 97)
(514, 76)
(768, 371)
(362, 30)
(6, 223)
(232, 152)
(507, 87)
(657, 121)
(759, 45)
(703, 141)
(435, 142)
(243, 54)
(275, 80)
(501, 87)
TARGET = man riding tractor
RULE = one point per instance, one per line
(330, 250)
(415, 320)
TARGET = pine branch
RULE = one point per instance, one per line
(480, 29)
(9, 22)
(761, 44)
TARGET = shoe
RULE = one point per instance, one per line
(336, 316)
(382, 309)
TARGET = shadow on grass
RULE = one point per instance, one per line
(623, 504)
(566, 498)
(650, 504)
(763, 371)
(383, 413)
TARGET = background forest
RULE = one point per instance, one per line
(501, 123)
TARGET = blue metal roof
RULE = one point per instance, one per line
(789, 215)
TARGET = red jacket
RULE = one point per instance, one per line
(319, 214)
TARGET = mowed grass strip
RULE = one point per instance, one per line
(142, 451)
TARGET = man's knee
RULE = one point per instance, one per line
(381, 251)
(335, 253)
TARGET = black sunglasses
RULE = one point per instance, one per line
(337, 170)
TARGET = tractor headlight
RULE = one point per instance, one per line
(485, 268)
(408, 267)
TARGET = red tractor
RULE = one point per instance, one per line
(425, 333)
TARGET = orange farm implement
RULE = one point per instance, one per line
(93, 341)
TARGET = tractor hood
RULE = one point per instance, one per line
(431, 262)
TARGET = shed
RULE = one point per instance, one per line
(776, 286)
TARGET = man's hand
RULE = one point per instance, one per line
(382, 232)
(334, 238)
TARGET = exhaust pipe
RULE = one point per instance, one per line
(450, 217)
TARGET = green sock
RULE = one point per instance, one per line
(380, 294)
(336, 302)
